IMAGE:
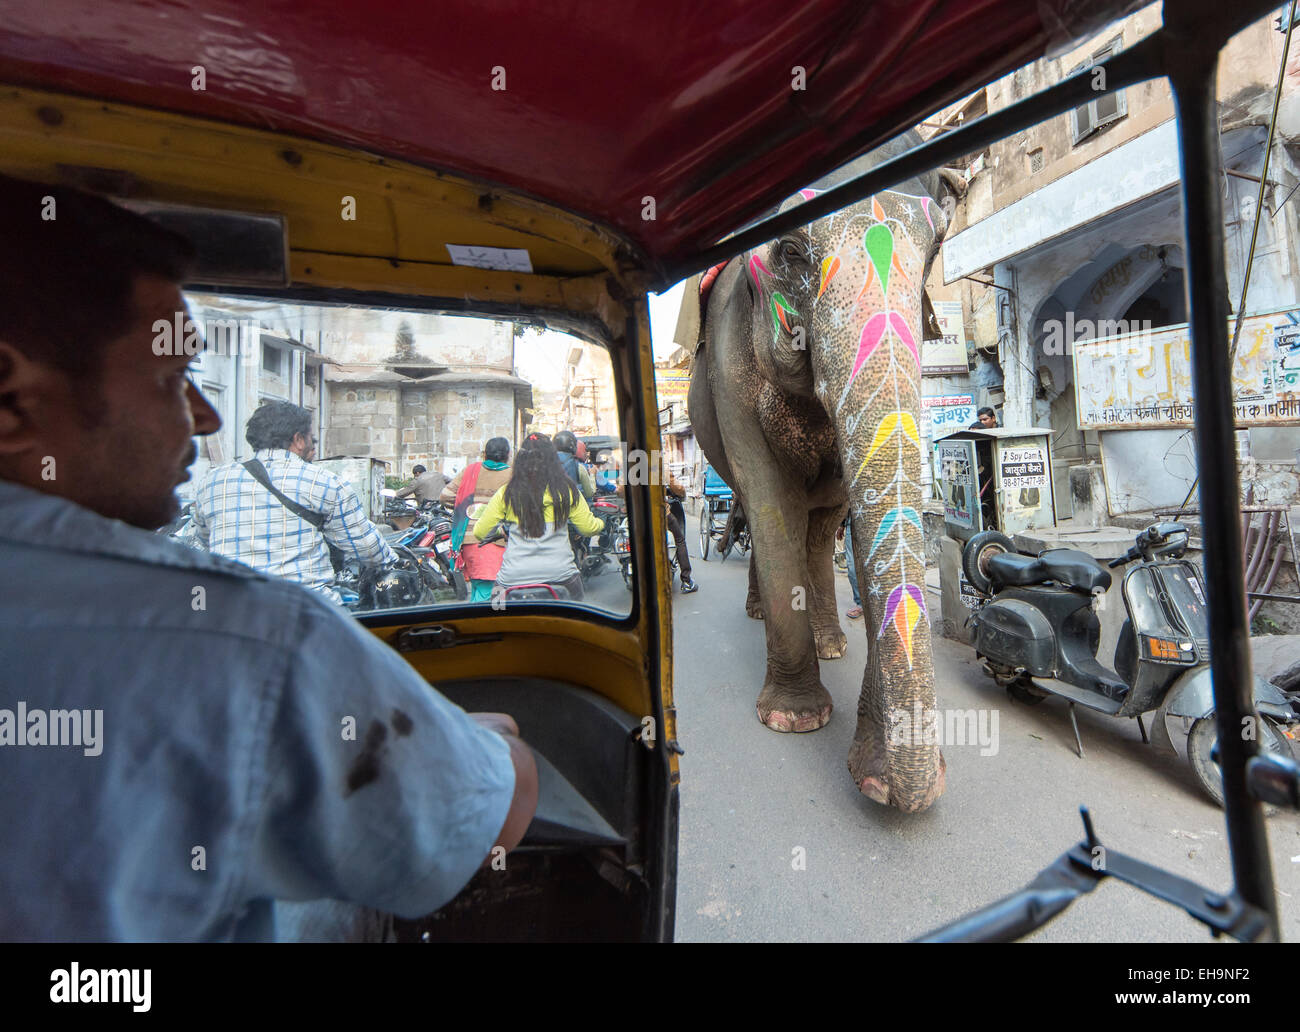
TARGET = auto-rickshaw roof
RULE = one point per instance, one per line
(595, 109)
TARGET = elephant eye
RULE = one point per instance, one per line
(792, 251)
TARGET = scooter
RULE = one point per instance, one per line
(1038, 631)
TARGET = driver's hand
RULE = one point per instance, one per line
(501, 723)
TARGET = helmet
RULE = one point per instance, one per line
(564, 441)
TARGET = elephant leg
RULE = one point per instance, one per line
(793, 697)
(822, 608)
(753, 601)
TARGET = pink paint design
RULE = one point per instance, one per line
(756, 266)
(808, 194)
(925, 207)
(869, 341)
(899, 325)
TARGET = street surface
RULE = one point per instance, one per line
(751, 798)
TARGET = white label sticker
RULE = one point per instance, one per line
(510, 259)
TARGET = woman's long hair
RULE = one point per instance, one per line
(537, 470)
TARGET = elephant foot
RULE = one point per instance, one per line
(908, 788)
(784, 711)
(831, 644)
(754, 610)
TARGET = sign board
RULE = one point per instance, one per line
(954, 462)
(1023, 467)
(967, 594)
(672, 385)
(1143, 380)
(945, 413)
(946, 356)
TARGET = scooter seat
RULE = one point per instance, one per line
(1067, 566)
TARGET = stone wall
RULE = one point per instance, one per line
(440, 428)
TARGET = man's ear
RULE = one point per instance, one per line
(22, 383)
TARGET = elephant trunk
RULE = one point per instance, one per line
(895, 758)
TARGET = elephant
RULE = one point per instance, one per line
(805, 396)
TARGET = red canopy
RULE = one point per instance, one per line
(594, 107)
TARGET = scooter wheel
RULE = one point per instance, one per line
(978, 551)
(1201, 739)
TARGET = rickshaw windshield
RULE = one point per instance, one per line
(420, 415)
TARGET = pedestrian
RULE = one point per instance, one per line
(855, 612)
(538, 503)
(280, 514)
(426, 486)
(676, 518)
(469, 495)
(220, 785)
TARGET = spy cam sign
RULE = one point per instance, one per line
(1023, 467)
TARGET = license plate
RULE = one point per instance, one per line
(442, 547)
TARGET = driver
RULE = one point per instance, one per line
(293, 533)
(199, 743)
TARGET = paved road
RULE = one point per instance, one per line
(751, 797)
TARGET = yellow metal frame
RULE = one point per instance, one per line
(393, 252)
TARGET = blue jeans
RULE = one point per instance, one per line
(853, 567)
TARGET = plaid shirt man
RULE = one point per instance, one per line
(236, 517)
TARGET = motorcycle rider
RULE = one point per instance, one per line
(539, 503)
(239, 518)
(566, 448)
(426, 486)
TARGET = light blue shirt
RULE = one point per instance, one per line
(224, 777)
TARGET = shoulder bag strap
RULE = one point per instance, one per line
(258, 473)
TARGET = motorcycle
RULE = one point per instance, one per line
(591, 555)
(1037, 630)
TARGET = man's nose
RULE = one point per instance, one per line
(206, 419)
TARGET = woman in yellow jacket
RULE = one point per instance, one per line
(539, 503)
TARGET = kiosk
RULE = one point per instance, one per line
(996, 479)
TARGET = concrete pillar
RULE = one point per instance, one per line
(1088, 495)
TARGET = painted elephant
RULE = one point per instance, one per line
(805, 396)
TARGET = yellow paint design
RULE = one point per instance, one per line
(891, 424)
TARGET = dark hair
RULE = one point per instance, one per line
(497, 450)
(566, 442)
(537, 470)
(69, 264)
(987, 411)
(275, 423)
(417, 470)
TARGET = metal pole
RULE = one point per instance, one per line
(1263, 183)
(1192, 66)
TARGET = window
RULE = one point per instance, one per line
(272, 360)
(1109, 105)
(1035, 161)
